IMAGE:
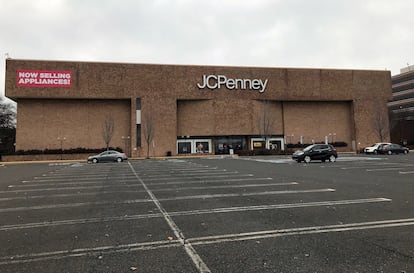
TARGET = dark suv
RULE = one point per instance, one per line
(321, 152)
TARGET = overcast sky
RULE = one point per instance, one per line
(351, 34)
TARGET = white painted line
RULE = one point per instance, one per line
(195, 212)
(164, 169)
(227, 186)
(131, 178)
(211, 181)
(384, 169)
(408, 172)
(192, 253)
(74, 205)
(28, 197)
(55, 255)
(204, 196)
(300, 231)
(73, 176)
(71, 188)
(80, 221)
(199, 176)
(207, 196)
(281, 206)
(81, 252)
(186, 174)
(114, 183)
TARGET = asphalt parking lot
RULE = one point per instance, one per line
(266, 214)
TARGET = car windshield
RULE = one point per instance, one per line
(309, 148)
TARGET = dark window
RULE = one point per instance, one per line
(138, 135)
(138, 102)
(184, 148)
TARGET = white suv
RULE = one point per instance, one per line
(374, 148)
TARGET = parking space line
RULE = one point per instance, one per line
(198, 176)
(408, 172)
(192, 253)
(27, 197)
(300, 231)
(384, 169)
(80, 221)
(211, 181)
(221, 195)
(229, 186)
(70, 188)
(104, 178)
(74, 205)
(204, 196)
(162, 173)
(67, 183)
(197, 212)
(56, 255)
(281, 206)
(207, 240)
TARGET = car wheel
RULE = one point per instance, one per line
(307, 159)
(375, 152)
(119, 159)
(95, 160)
(389, 152)
(405, 152)
(332, 158)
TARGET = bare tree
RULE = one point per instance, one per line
(148, 131)
(108, 126)
(265, 122)
(381, 124)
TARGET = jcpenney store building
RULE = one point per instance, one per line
(192, 109)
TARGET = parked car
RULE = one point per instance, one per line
(321, 152)
(393, 149)
(374, 148)
(108, 156)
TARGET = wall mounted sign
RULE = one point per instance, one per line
(217, 81)
(44, 78)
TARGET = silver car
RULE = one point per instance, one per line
(108, 156)
(374, 148)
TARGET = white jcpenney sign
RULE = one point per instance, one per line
(217, 81)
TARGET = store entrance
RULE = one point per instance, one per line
(224, 144)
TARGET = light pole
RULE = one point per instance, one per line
(61, 139)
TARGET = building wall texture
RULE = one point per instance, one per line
(301, 102)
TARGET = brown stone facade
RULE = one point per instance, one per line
(297, 105)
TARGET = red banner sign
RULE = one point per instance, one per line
(44, 78)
